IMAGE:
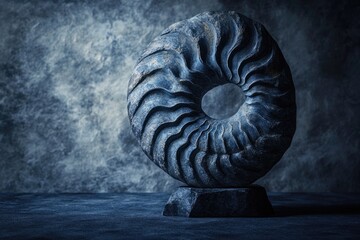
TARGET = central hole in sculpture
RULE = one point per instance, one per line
(222, 101)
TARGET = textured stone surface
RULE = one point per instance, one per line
(138, 216)
(179, 67)
(219, 202)
(65, 66)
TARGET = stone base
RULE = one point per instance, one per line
(219, 202)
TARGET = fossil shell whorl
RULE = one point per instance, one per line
(188, 59)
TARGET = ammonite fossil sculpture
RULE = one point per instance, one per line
(179, 67)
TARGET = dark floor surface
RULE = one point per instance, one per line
(139, 216)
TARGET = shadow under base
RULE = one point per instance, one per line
(250, 201)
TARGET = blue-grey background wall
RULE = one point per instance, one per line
(64, 70)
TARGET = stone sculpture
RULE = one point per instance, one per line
(179, 67)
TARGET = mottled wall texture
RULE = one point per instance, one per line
(64, 70)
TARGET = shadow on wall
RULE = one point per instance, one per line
(64, 70)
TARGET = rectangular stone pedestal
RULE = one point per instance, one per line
(219, 202)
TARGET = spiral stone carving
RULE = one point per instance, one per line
(173, 74)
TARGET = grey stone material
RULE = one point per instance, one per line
(219, 202)
(179, 67)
